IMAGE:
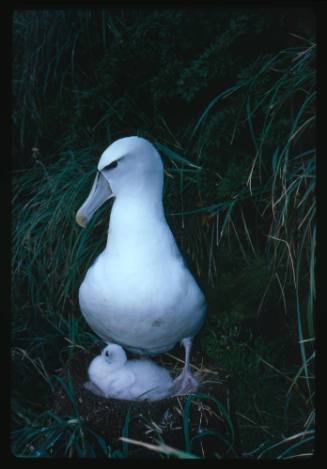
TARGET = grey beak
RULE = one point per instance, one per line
(100, 192)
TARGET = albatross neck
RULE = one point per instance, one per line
(135, 216)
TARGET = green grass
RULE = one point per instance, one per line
(239, 196)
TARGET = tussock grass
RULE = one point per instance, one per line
(282, 180)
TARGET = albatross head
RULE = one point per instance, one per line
(114, 355)
(129, 167)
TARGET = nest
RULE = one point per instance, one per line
(202, 424)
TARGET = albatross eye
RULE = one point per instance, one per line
(111, 165)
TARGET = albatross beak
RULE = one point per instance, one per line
(100, 192)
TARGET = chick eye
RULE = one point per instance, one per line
(111, 165)
(107, 354)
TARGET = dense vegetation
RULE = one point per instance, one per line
(228, 97)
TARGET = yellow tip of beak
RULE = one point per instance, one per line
(80, 220)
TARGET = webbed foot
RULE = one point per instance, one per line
(185, 383)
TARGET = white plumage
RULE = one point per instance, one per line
(138, 293)
(138, 379)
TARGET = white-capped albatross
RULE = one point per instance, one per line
(137, 379)
(139, 293)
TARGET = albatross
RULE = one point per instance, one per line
(139, 293)
(117, 377)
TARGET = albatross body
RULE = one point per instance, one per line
(138, 293)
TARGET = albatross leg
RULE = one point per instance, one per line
(185, 383)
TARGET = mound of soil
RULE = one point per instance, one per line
(203, 423)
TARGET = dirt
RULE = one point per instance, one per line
(173, 421)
